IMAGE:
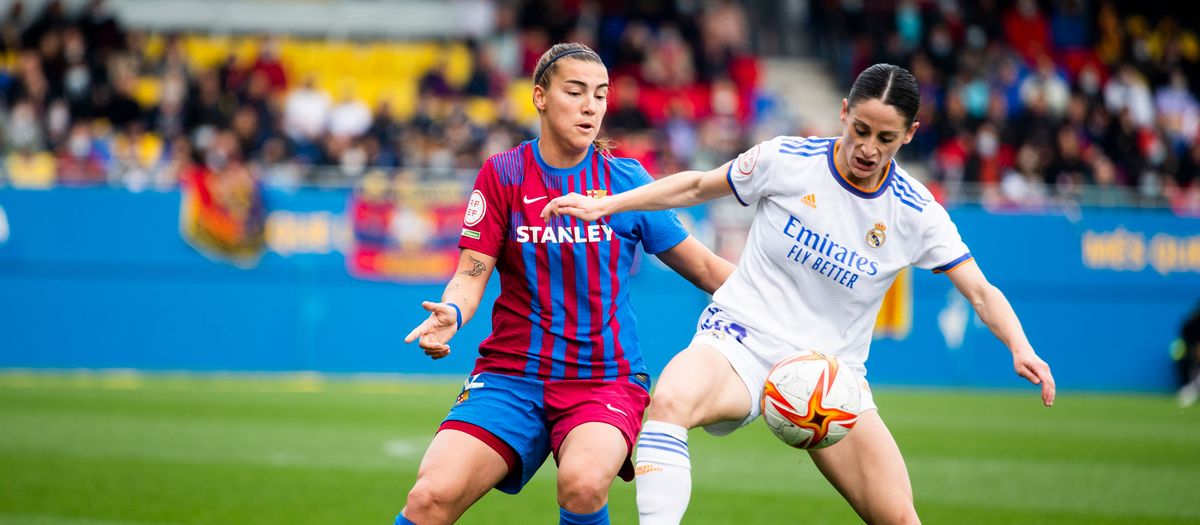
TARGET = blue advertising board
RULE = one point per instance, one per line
(101, 278)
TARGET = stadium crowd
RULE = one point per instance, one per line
(76, 111)
(1028, 103)
(1036, 103)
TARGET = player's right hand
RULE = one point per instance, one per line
(1031, 367)
(575, 205)
(433, 334)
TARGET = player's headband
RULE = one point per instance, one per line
(537, 77)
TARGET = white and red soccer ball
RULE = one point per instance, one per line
(811, 401)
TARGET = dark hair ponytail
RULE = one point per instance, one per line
(893, 85)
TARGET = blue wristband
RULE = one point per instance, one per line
(457, 315)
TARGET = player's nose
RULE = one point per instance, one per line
(870, 148)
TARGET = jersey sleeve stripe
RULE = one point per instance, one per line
(907, 188)
(813, 154)
(808, 148)
(905, 199)
(952, 265)
(729, 178)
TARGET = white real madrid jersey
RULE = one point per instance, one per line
(822, 252)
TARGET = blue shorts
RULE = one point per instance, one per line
(510, 408)
(525, 420)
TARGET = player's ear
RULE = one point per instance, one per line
(845, 110)
(912, 130)
(539, 98)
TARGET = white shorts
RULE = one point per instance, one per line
(738, 344)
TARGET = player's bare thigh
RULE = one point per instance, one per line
(699, 387)
(456, 471)
(867, 468)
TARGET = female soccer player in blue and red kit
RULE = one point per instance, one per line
(561, 372)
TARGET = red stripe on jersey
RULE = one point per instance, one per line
(595, 307)
(519, 306)
(615, 286)
(546, 352)
(570, 300)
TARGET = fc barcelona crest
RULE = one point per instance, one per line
(597, 194)
(876, 236)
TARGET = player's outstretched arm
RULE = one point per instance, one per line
(683, 189)
(996, 312)
(465, 290)
(698, 264)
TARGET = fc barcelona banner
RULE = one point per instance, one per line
(222, 214)
(403, 232)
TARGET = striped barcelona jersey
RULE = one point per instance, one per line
(563, 310)
(822, 251)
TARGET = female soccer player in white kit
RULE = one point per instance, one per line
(836, 219)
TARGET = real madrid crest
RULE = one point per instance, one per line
(876, 236)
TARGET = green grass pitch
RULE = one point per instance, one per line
(119, 448)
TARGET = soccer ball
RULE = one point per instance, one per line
(811, 401)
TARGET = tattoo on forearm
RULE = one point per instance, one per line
(477, 267)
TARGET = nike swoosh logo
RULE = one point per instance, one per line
(531, 201)
(615, 409)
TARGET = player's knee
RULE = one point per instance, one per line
(429, 502)
(672, 406)
(582, 490)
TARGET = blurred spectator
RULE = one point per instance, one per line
(268, 64)
(24, 131)
(668, 62)
(350, 118)
(626, 115)
(433, 83)
(1027, 30)
(305, 112)
(1128, 90)
(1103, 190)
(486, 79)
(1047, 83)
(1068, 170)
(1178, 111)
(169, 119)
(79, 163)
(31, 169)
(121, 108)
(1022, 185)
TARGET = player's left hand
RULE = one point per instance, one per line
(575, 205)
(1033, 368)
(433, 334)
